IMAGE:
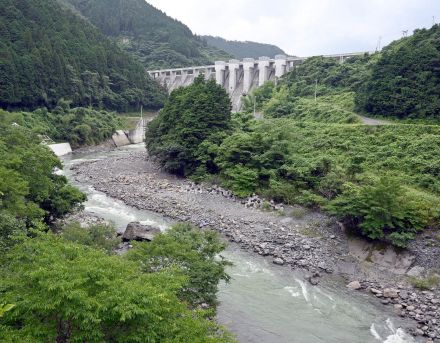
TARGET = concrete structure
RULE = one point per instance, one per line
(60, 149)
(237, 77)
(120, 138)
(137, 135)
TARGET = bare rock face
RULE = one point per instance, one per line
(135, 231)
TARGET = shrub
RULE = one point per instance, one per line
(383, 209)
(195, 255)
(100, 236)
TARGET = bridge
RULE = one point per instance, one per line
(237, 77)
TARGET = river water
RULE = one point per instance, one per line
(265, 303)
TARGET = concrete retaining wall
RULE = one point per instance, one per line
(61, 149)
(120, 138)
(138, 134)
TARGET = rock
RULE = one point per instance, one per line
(354, 285)
(279, 261)
(416, 271)
(313, 281)
(135, 231)
(375, 291)
(390, 293)
(419, 332)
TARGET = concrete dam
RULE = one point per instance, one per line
(237, 77)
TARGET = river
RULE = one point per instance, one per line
(264, 302)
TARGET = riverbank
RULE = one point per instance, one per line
(308, 241)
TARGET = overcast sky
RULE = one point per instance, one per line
(305, 27)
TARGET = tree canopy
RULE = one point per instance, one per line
(192, 117)
(405, 81)
(49, 52)
(66, 292)
(157, 40)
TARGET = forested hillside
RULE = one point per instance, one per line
(244, 49)
(47, 52)
(405, 82)
(158, 40)
(312, 148)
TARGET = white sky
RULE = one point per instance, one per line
(305, 27)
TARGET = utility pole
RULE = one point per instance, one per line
(316, 89)
(433, 20)
(379, 42)
(255, 106)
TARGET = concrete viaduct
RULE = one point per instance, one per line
(237, 77)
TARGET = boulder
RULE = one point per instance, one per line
(416, 271)
(278, 261)
(390, 293)
(354, 285)
(135, 231)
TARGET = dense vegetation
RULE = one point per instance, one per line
(48, 53)
(193, 119)
(65, 291)
(333, 83)
(79, 126)
(156, 39)
(404, 83)
(31, 195)
(310, 149)
(244, 49)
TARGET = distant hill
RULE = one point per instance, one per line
(244, 49)
(48, 52)
(158, 40)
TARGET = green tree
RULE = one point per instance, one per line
(99, 236)
(404, 83)
(194, 253)
(190, 116)
(383, 209)
(65, 292)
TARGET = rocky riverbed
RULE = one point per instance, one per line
(289, 236)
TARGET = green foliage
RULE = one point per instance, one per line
(258, 97)
(405, 81)
(313, 164)
(5, 308)
(156, 39)
(384, 209)
(335, 108)
(11, 231)
(78, 126)
(49, 52)
(246, 49)
(67, 292)
(192, 116)
(427, 283)
(193, 253)
(30, 191)
(99, 236)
